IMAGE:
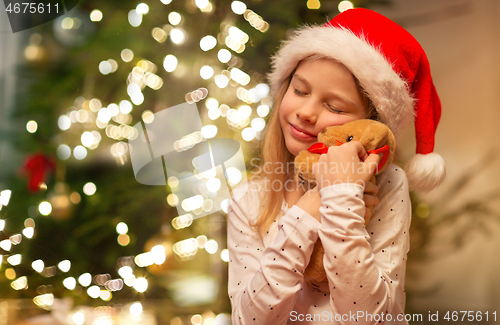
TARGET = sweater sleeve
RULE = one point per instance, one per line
(366, 266)
(264, 281)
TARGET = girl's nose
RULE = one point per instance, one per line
(307, 113)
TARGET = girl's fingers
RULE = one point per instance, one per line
(371, 162)
(371, 189)
(370, 200)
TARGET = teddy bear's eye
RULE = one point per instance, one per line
(350, 138)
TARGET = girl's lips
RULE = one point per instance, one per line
(301, 134)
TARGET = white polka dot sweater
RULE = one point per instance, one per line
(365, 266)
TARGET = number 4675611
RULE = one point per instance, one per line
(31, 7)
(469, 316)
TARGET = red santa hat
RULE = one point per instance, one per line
(392, 68)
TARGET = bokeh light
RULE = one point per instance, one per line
(96, 15)
(127, 55)
(80, 152)
(121, 228)
(170, 63)
(136, 309)
(238, 7)
(45, 208)
(31, 126)
(63, 152)
(345, 5)
(174, 18)
(89, 189)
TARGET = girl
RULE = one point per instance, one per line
(359, 65)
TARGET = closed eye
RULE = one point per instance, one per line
(333, 109)
(298, 92)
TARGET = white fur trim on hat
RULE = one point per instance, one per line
(388, 92)
(425, 172)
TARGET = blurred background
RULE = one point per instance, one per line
(82, 242)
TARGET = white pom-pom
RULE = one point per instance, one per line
(425, 172)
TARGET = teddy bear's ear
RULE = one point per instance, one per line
(377, 135)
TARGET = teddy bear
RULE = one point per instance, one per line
(375, 136)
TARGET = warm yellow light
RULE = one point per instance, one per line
(174, 18)
(85, 279)
(136, 309)
(209, 131)
(211, 246)
(123, 240)
(202, 4)
(345, 5)
(14, 260)
(140, 285)
(31, 126)
(159, 34)
(224, 55)
(64, 266)
(20, 283)
(125, 271)
(196, 319)
(96, 15)
(313, 4)
(69, 283)
(172, 200)
(67, 23)
(10, 274)
(89, 189)
(148, 116)
(127, 55)
(78, 318)
(38, 265)
(28, 232)
(224, 255)
(45, 208)
(75, 198)
(170, 63)
(238, 7)
(94, 292)
(122, 228)
(177, 36)
(208, 42)
(142, 8)
(105, 295)
(221, 81)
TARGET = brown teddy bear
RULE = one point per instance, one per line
(376, 137)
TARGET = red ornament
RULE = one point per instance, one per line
(38, 166)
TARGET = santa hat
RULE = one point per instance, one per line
(392, 68)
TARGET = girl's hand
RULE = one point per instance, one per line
(310, 202)
(349, 163)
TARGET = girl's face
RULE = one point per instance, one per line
(322, 93)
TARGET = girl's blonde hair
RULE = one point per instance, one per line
(276, 157)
